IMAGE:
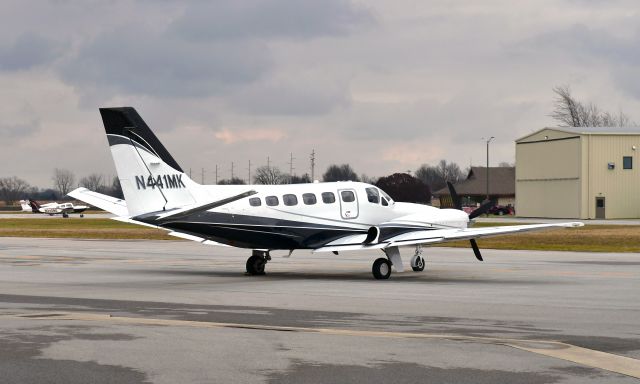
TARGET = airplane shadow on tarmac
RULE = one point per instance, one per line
(409, 276)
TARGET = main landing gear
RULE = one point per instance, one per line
(381, 268)
(257, 262)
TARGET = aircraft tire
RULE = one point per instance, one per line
(381, 269)
(255, 265)
(65, 215)
(418, 265)
(82, 215)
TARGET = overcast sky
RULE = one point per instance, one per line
(385, 85)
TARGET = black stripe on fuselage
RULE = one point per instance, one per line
(260, 232)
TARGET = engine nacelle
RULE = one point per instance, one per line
(373, 234)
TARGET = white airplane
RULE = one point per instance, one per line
(54, 208)
(322, 217)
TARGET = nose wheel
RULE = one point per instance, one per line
(417, 261)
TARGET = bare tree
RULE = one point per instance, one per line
(63, 180)
(92, 182)
(232, 181)
(300, 179)
(269, 175)
(116, 189)
(450, 171)
(436, 177)
(570, 112)
(369, 180)
(505, 164)
(12, 189)
(342, 172)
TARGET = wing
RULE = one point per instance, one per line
(108, 203)
(432, 236)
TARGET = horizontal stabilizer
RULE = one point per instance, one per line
(107, 203)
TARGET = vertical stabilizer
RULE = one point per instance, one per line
(151, 179)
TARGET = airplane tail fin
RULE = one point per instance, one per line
(35, 207)
(151, 179)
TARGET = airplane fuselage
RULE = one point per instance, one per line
(296, 216)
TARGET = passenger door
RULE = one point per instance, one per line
(348, 203)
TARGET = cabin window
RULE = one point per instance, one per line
(255, 202)
(271, 201)
(348, 196)
(328, 197)
(372, 195)
(384, 201)
(627, 162)
(290, 200)
(309, 198)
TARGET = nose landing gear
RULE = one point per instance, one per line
(417, 261)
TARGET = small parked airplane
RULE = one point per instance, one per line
(53, 208)
(323, 217)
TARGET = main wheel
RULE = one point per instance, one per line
(65, 215)
(82, 215)
(255, 265)
(417, 264)
(381, 269)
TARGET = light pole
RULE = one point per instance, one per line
(488, 141)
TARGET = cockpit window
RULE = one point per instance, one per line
(384, 201)
(372, 195)
(389, 199)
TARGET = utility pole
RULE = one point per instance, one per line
(216, 174)
(232, 170)
(190, 173)
(313, 165)
(291, 168)
(202, 177)
(249, 181)
(488, 141)
(268, 163)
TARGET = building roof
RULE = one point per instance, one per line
(590, 131)
(502, 182)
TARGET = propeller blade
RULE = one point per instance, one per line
(482, 209)
(476, 250)
(454, 196)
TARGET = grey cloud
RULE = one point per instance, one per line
(139, 61)
(583, 44)
(28, 51)
(269, 18)
(293, 98)
(15, 130)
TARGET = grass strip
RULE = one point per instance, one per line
(590, 238)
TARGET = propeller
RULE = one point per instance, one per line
(487, 205)
(477, 212)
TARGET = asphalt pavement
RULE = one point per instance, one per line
(77, 311)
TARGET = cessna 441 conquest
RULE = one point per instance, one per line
(322, 217)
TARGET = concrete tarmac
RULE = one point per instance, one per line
(77, 311)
